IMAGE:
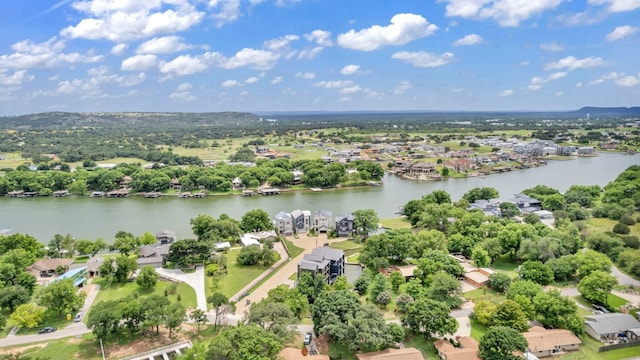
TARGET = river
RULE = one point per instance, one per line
(90, 218)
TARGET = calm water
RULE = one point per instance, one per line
(85, 217)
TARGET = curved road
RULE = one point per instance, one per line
(623, 279)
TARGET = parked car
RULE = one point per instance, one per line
(307, 338)
(46, 274)
(78, 317)
(46, 330)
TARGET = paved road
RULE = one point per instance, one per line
(74, 329)
(623, 279)
(194, 279)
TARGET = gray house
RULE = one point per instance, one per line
(284, 223)
(323, 261)
(301, 221)
(322, 221)
(345, 225)
(612, 326)
(165, 237)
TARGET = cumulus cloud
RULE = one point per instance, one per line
(621, 32)
(229, 10)
(507, 92)
(552, 46)
(131, 20)
(617, 5)
(17, 78)
(119, 49)
(162, 45)
(182, 92)
(505, 12)
(350, 69)
(306, 75)
(471, 39)
(277, 80)
(351, 89)
(183, 65)
(184, 87)
(573, 63)
(231, 83)
(537, 81)
(629, 81)
(254, 58)
(424, 59)
(320, 37)
(403, 29)
(308, 54)
(334, 84)
(251, 80)
(49, 54)
(138, 62)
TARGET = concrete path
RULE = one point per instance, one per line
(194, 279)
(623, 279)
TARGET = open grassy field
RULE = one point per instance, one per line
(115, 291)
(396, 223)
(596, 225)
(237, 277)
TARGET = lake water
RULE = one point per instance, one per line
(86, 217)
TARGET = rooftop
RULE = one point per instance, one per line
(541, 339)
(611, 323)
(392, 354)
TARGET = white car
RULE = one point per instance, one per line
(78, 317)
(307, 338)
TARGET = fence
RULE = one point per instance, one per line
(619, 346)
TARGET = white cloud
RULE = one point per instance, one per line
(162, 45)
(629, 81)
(402, 87)
(573, 63)
(471, 39)
(231, 83)
(320, 37)
(621, 32)
(252, 80)
(138, 62)
(119, 49)
(334, 84)
(182, 92)
(17, 78)
(403, 29)
(351, 89)
(308, 54)
(277, 80)
(537, 81)
(556, 75)
(552, 46)
(280, 43)
(184, 87)
(45, 55)
(130, 20)
(618, 5)
(183, 65)
(424, 59)
(253, 58)
(507, 92)
(505, 12)
(350, 69)
(306, 76)
(229, 11)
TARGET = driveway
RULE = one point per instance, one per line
(194, 279)
(623, 279)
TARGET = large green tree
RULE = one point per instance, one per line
(255, 220)
(60, 296)
(596, 286)
(500, 343)
(365, 221)
(429, 317)
(244, 342)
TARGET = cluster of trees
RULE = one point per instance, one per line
(133, 314)
(218, 178)
(254, 254)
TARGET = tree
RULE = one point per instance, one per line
(596, 286)
(60, 296)
(310, 286)
(366, 330)
(437, 197)
(147, 279)
(378, 285)
(331, 307)
(500, 342)
(365, 222)
(563, 267)
(125, 243)
(107, 268)
(255, 220)
(483, 312)
(480, 257)
(554, 202)
(124, 265)
(445, 288)
(21, 241)
(479, 193)
(509, 209)
(98, 245)
(402, 301)
(219, 302)
(589, 261)
(244, 342)
(27, 316)
(383, 298)
(269, 257)
(199, 317)
(509, 313)
(361, 285)
(84, 246)
(250, 255)
(175, 316)
(499, 282)
(397, 279)
(272, 316)
(558, 311)
(13, 296)
(527, 288)
(606, 244)
(298, 303)
(429, 317)
(537, 272)
(155, 307)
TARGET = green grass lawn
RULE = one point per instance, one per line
(506, 265)
(353, 258)
(293, 250)
(237, 277)
(349, 247)
(63, 349)
(484, 294)
(115, 291)
(589, 351)
(596, 225)
(421, 343)
(477, 330)
(615, 301)
(396, 223)
(50, 319)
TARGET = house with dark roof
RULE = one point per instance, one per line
(283, 223)
(527, 204)
(542, 342)
(301, 221)
(92, 265)
(322, 221)
(323, 261)
(152, 255)
(612, 326)
(165, 237)
(345, 225)
(489, 207)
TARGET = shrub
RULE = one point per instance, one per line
(627, 220)
(621, 228)
(631, 241)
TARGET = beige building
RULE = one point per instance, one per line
(392, 354)
(543, 342)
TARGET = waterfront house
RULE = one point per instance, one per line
(153, 255)
(48, 267)
(236, 183)
(468, 349)
(297, 177)
(175, 184)
(165, 237)
(301, 220)
(345, 225)
(61, 193)
(527, 203)
(586, 150)
(124, 182)
(421, 168)
(323, 261)
(612, 327)
(322, 221)
(78, 276)
(283, 223)
(459, 165)
(542, 342)
(489, 207)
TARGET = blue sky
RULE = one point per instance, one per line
(307, 55)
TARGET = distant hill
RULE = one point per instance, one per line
(609, 111)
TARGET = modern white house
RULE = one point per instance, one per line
(283, 223)
(322, 221)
